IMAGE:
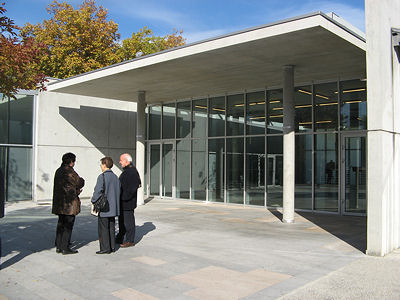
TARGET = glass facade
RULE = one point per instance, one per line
(225, 154)
(16, 134)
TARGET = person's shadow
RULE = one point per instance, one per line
(27, 231)
(142, 230)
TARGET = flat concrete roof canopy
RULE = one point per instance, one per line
(319, 48)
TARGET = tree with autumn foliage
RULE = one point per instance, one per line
(81, 40)
(144, 42)
(78, 40)
(19, 59)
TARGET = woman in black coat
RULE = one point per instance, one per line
(106, 219)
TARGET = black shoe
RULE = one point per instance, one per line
(58, 250)
(69, 251)
(119, 240)
(103, 252)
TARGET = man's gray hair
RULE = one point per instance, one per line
(128, 157)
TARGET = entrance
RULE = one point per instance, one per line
(162, 170)
(354, 174)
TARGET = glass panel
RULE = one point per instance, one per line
(355, 175)
(353, 108)
(326, 106)
(303, 172)
(199, 176)
(21, 113)
(255, 113)
(183, 169)
(3, 120)
(154, 122)
(303, 108)
(155, 170)
(167, 173)
(183, 120)
(145, 169)
(255, 168)
(275, 111)
(200, 118)
(216, 166)
(19, 174)
(216, 121)
(326, 172)
(235, 115)
(234, 170)
(168, 124)
(274, 171)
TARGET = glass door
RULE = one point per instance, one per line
(161, 175)
(168, 160)
(155, 169)
(354, 174)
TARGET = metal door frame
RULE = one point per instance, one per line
(343, 136)
(160, 192)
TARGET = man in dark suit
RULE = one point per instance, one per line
(66, 203)
(130, 182)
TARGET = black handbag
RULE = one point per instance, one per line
(101, 204)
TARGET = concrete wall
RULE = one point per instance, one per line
(383, 127)
(89, 127)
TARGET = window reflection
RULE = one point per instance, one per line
(155, 122)
(235, 115)
(326, 172)
(255, 112)
(168, 125)
(303, 108)
(216, 114)
(199, 118)
(255, 169)
(275, 111)
(353, 107)
(303, 172)
(326, 106)
(216, 170)
(199, 176)
(183, 169)
(274, 171)
(234, 170)
(183, 120)
(3, 119)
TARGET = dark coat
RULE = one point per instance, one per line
(130, 182)
(113, 188)
(67, 187)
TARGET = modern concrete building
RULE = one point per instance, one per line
(274, 116)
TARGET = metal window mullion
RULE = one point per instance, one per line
(225, 150)
(207, 158)
(338, 146)
(312, 149)
(244, 147)
(191, 150)
(266, 149)
(340, 156)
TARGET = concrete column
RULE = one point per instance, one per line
(140, 142)
(288, 144)
(383, 109)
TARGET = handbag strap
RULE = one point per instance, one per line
(104, 185)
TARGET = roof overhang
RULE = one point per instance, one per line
(319, 47)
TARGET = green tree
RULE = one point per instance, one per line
(144, 42)
(77, 40)
(19, 59)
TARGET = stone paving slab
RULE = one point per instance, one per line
(193, 250)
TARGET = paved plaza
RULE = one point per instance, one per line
(192, 250)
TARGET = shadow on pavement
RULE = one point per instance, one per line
(27, 231)
(350, 229)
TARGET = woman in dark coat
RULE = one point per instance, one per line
(106, 219)
(66, 203)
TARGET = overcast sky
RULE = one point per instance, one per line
(199, 19)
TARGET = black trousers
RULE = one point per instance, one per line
(126, 221)
(64, 231)
(106, 228)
